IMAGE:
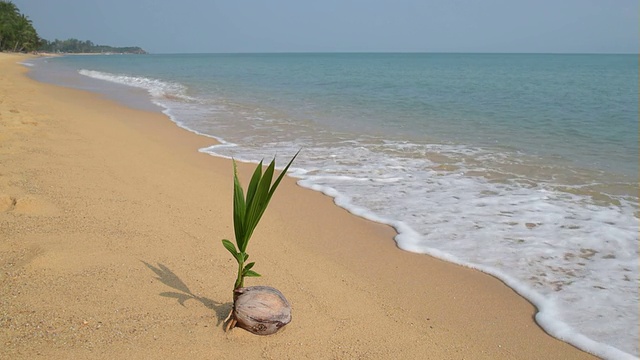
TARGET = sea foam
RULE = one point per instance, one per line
(157, 88)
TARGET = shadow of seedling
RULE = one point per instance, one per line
(167, 277)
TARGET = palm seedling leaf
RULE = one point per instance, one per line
(232, 249)
(250, 273)
(258, 204)
(248, 211)
(284, 171)
(259, 194)
(239, 208)
(253, 184)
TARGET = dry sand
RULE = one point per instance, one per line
(110, 229)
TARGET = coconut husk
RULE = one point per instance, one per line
(261, 310)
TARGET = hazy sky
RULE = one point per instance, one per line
(187, 26)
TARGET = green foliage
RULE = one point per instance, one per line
(16, 30)
(247, 212)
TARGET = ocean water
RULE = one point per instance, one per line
(523, 166)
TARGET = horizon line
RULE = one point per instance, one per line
(394, 52)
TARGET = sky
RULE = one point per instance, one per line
(230, 26)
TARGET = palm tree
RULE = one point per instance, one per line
(16, 30)
(8, 14)
(26, 35)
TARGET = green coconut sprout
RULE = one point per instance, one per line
(247, 213)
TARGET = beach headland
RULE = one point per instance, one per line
(110, 229)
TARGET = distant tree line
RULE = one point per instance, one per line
(79, 46)
(18, 34)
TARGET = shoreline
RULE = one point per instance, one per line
(342, 306)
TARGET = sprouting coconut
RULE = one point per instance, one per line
(261, 310)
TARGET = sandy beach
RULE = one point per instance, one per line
(110, 229)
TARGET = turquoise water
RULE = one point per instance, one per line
(523, 166)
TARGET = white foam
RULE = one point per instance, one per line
(156, 88)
